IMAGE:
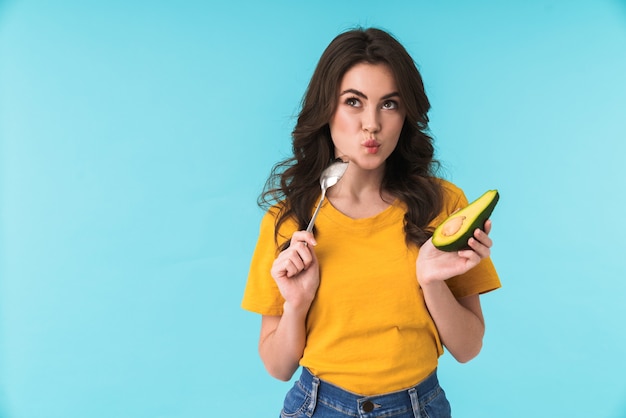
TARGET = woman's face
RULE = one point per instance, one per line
(368, 120)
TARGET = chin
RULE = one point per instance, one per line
(369, 164)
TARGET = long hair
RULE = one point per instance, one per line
(409, 170)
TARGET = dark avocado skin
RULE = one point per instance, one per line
(479, 222)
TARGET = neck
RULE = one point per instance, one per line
(358, 193)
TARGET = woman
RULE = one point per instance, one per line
(365, 304)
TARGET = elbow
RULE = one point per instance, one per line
(279, 368)
(282, 377)
(283, 374)
(468, 353)
(465, 359)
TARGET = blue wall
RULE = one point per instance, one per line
(135, 137)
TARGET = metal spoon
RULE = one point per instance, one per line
(330, 177)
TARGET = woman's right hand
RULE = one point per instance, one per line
(296, 271)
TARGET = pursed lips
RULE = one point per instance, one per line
(371, 146)
(370, 143)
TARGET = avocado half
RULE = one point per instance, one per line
(458, 228)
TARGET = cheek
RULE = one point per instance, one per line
(342, 122)
(397, 123)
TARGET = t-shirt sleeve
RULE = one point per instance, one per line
(261, 294)
(481, 279)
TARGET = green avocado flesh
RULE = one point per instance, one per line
(458, 228)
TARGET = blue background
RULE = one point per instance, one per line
(136, 136)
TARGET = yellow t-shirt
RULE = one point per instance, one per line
(368, 329)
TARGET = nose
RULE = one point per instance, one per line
(371, 120)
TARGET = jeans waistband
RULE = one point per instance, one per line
(361, 405)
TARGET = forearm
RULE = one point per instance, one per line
(281, 348)
(461, 330)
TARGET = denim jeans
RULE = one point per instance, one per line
(311, 397)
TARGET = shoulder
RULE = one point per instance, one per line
(273, 212)
(270, 220)
(453, 199)
(452, 194)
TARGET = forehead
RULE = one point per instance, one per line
(371, 77)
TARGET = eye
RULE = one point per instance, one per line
(390, 105)
(353, 101)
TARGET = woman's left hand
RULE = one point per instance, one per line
(435, 265)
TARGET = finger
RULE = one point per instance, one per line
(483, 236)
(472, 257)
(287, 265)
(304, 253)
(303, 236)
(479, 248)
(487, 226)
(296, 262)
(280, 268)
(291, 269)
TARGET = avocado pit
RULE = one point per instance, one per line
(452, 226)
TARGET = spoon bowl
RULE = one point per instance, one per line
(330, 176)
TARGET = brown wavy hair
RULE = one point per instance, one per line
(409, 170)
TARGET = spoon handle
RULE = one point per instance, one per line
(317, 209)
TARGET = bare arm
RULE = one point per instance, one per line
(460, 322)
(282, 339)
(282, 342)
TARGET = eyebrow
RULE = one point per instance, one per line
(361, 94)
